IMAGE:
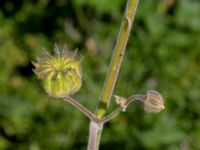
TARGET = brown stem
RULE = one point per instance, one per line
(95, 135)
(120, 109)
(83, 109)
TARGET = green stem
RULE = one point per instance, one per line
(117, 56)
(112, 74)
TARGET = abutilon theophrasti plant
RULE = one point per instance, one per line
(61, 76)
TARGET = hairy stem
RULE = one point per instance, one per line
(117, 56)
(95, 135)
(83, 109)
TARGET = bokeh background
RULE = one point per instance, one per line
(163, 53)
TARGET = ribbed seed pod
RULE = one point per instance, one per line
(153, 102)
(60, 74)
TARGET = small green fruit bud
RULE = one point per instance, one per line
(153, 102)
(60, 74)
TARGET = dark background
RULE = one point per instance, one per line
(163, 53)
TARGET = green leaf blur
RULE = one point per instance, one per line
(163, 53)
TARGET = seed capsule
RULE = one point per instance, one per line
(153, 102)
(61, 74)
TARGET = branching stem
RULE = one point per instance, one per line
(112, 74)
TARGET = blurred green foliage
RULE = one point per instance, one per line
(163, 53)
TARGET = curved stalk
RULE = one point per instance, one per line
(83, 109)
(120, 109)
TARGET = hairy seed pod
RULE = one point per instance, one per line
(60, 74)
(153, 102)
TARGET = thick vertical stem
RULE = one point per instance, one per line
(118, 53)
(94, 135)
(117, 56)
